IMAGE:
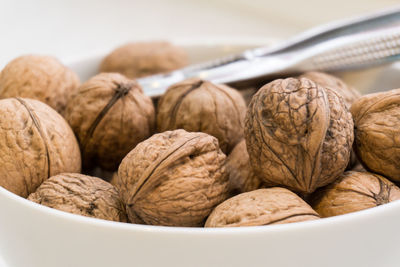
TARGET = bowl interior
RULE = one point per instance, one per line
(370, 80)
(28, 229)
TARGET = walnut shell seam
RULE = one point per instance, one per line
(38, 126)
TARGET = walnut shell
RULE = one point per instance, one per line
(354, 191)
(326, 80)
(298, 134)
(241, 176)
(200, 106)
(114, 179)
(174, 178)
(358, 168)
(110, 115)
(39, 77)
(261, 207)
(80, 194)
(377, 124)
(141, 59)
(348, 93)
(35, 143)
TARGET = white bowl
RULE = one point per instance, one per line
(32, 235)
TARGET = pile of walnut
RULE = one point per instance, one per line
(201, 156)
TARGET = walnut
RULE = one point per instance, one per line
(348, 93)
(35, 143)
(110, 115)
(141, 59)
(80, 194)
(354, 191)
(298, 134)
(359, 168)
(114, 179)
(200, 106)
(39, 77)
(173, 178)
(241, 176)
(376, 122)
(261, 207)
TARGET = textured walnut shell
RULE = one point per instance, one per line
(241, 176)
(110, 115)
(200, 106)
(80, 194)
(298, 134)
(141, 59)
(39, 77)
(354, 191)
(377, 125)
(174, 178)
(261, 207)
(35, 143)
(114, 179)
(348, 93)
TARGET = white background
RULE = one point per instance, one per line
(70, 29)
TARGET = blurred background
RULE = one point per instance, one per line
(75, 28)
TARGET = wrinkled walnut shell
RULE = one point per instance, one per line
(354, 191)
(39, 77)
(35, 143)
(326, 80)
(261, 207)
(241, 176)
(377, 125)
(348, 93)
(174, 178)
(80, 194)
(200, 106)
(136, 60)
(298, 134)
(110, 115)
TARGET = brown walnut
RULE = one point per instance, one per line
(348, 93)
(110, 115)
(261, 207)
(241, 176)
(377, 124)
(359, 168)
(80, 194)
(39, 77)
(298, 134)
(135, 60)
(354, 191)
(114, 179)
(326, 80)
(35, 143)
(201, 106)
(173, 178)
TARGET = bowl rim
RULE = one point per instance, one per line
(354, 217)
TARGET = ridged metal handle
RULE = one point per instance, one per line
(371, 49)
